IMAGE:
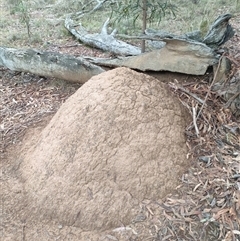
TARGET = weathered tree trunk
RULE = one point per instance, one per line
(48, 64)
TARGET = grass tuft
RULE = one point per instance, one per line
(45, 19)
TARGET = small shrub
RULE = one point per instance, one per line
(21, 7)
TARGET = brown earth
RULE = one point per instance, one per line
(116, 131)
(204, 206)
(162, 219)
(157, 219)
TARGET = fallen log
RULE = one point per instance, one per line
(49, 64)
(178, 55)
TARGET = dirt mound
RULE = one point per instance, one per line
(118, 140)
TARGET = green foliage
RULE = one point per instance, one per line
(237, 4)
(21, 7)
(63, 33)
(36, 39)
(132, 9)
(204, 26)
(200, 14)
(46, 21)
(148, 10)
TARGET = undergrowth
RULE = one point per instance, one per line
(35, 23)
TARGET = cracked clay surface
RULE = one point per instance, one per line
(115, 142)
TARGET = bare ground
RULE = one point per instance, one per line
(29, 106)
(205, 206)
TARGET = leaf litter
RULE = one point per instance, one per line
(206, 205)
(211, 188)
(25, 100)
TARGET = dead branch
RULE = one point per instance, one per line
(178, 87)
(103, 41)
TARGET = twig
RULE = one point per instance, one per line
(23, 232)
(232, 99)
(194, 121)
(176, 87)
(69, 46)
(213, 81)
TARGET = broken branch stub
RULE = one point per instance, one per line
(220, 32)
(103, 41)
